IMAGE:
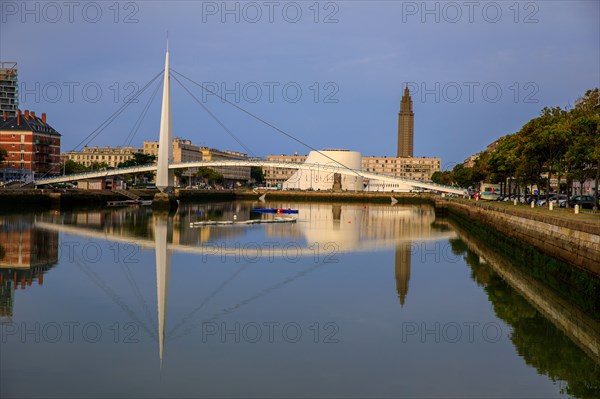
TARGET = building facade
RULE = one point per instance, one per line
(112, 156)
(183, 150)
(9, 89)
(408, 168)
(275, 176)
(232, 174)
(406, 126)
(32, 145)
(325, 180)
(186, 151)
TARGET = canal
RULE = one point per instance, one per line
(352, 300)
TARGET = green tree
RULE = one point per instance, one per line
(139, 158)
(256, 173)
(70, 167)
(209, 176)
(504, 160)
(445, 178)
(462, 176)
(99, 166)
(3, 155)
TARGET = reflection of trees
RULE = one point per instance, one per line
(539, 342)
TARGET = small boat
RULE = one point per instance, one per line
(275, 210)
(129, 203)
(276, 219)
(279, 219)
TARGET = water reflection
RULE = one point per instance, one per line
(402, 268)
(26, 254)
(340, 228)
(549, 332)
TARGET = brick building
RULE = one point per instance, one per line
(33, 147)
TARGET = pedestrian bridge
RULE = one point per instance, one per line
(323, 168)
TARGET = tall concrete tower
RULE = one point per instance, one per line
(406, 126)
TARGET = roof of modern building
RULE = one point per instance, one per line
(27, 121)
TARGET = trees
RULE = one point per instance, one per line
(445, 178)
(256, 173)
(139, 158)
(209, 176)
(3, 155)
(556, 143)
(69, 167)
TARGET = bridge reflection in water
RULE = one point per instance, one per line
(543, 322)
(327, 229)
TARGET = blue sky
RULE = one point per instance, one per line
(478, 70)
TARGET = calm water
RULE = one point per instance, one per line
(350, 301)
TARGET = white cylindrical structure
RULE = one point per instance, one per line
(317, 179)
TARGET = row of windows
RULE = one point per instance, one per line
(101, 157)
(395, 161)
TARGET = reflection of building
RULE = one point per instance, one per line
(109, 155)
(406, 126)
(402, 268)
(33, 147)
(26, 254)
(9, 89)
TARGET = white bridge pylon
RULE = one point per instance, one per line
(322, 168)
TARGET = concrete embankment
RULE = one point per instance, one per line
(46, 198)
(575, 241)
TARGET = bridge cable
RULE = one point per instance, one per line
(265, 122)
(246, 148)
(138, 122)
(109, 120)
(118, 112)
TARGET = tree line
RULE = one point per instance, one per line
(561, 143)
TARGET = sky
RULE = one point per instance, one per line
(329, 73)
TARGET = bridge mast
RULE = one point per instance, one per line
(164, 176)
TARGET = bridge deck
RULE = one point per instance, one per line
(331, 168)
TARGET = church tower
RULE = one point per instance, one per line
(406, 126)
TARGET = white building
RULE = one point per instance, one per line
(323, 180)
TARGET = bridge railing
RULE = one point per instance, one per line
(90, 172)
(323, 167)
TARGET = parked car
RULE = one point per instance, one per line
(554, 198)
(584, 201)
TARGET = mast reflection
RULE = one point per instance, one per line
(351, 228)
